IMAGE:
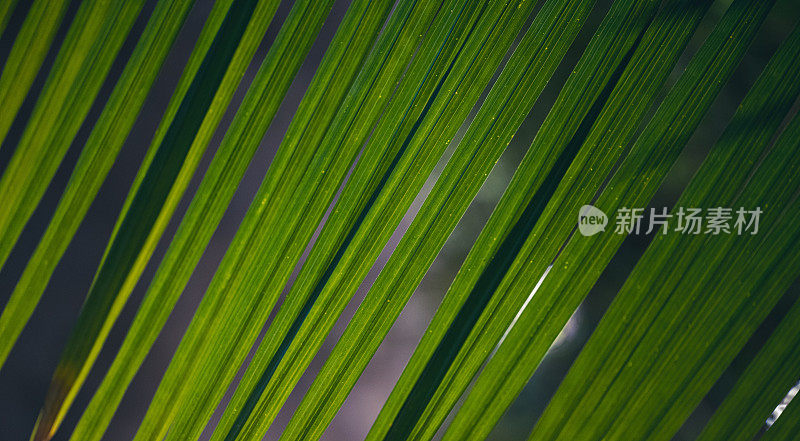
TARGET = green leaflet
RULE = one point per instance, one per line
(757, 274)
(30, 47)
(633, 185)
(262, 240)
(787, 426)
(646, 294)
(358, 228)
(224, 173)
(409, 410)
(74, 81)
(336, 72)
(641, 79)
(764, 383)
(408, 101)
(6, 8)
(95, 161)
(161, 182)
(359, 28)
(507, 104)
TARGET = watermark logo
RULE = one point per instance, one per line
(682, 220)
(591, 220)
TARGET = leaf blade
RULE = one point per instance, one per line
(502, 112)
(30, 47)
(571, 276)
(159, 186)
(764, 100)
(93, 165)
(774, 370)
(358, 227)
(74, 81)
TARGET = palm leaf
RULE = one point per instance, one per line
(381, 159)
(725, 165)
(206, 210)
(515, 90)
(259, 243)
(326, 283)
(399, 82)
(764, 383)
(93, 165)
(648, 161)
(147, 211)
(6, 9)
(464, 317)
(74, 80)
(30, 47)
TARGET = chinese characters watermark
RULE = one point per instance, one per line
(683, 220)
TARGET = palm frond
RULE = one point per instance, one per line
(649, 292)
(764, 383)
(404, 89)
(516, 89)
(83, 61)
(581, 261)
(96, 160)
(150, 205)
(30, 47)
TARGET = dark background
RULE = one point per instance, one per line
(26, 374)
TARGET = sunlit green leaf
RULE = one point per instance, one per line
(398, 81)
(90, 46)
(507, 104)
(414, 408)
(669, 289)
(634, 183)
(153, 198)
(764, 383)
(30, 47)
(93, 165)
(361, 226)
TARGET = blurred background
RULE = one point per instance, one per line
(26, 374)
